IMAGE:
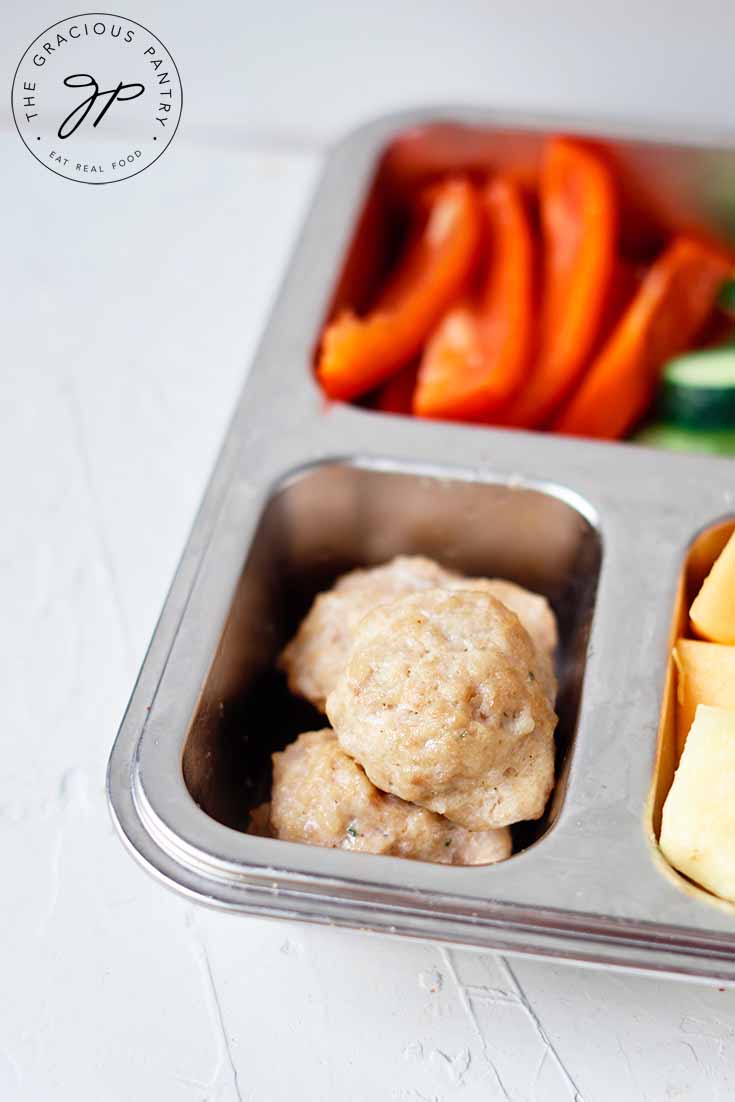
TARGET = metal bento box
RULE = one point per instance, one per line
(304, 490)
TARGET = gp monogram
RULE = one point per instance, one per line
(97, 98)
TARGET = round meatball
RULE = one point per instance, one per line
(532, 609)
(316, 656)
(321, 796)
(443, 703)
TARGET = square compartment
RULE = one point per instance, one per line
(324, 520)
(662, 188)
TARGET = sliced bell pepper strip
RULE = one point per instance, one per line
(671, 307)
(359, 353)
(396, 396)
(479, 355)
(626, 280)
(580, 225)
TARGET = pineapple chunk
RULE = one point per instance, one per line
(713, 610)
(706, 675)
(698, 822)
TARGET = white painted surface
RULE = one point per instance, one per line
(128, 316)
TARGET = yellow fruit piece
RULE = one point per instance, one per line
(705, 675)
(713, 610)
(698, 821)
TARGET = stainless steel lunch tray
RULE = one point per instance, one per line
(303, 490)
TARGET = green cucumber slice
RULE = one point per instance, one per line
(726, 297)
(698, 390)
(676, 439)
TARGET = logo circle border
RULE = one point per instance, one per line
(84, 15)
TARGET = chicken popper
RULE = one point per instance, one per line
(322, 796)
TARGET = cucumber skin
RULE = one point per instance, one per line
(677, 439)
(695, 407)
(726, 297)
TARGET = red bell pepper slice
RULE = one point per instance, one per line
(580, 223)
(480, 354)
(359, 353)
(670, 309)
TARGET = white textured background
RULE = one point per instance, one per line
(128, 316)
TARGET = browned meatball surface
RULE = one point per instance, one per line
(316, 656)
(323, 797)
(444, 701)
(260, 821)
